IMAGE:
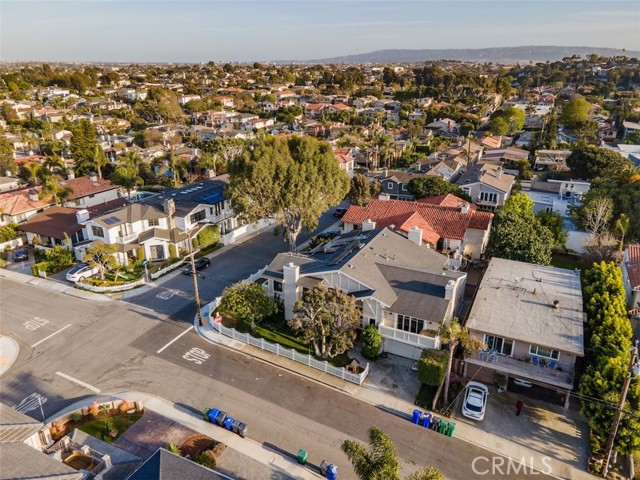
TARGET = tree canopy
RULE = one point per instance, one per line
(7, 162)
(294, 180)
(360, 191)
(84, 141)
(588, 161)
(432, 186)
(101, 256)
(248, 302)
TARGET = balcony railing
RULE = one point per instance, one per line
(414, 339)
(126, 238)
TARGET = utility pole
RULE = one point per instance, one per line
(633, 369)
(194, 276)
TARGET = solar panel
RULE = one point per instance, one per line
(111, 220)
(213, 197)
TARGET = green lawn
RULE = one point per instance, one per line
(101, 427)
(570, 262)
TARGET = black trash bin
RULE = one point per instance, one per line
(435, 424)
(220, 417)
(235, 425)
(242, 430)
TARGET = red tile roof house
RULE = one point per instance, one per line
(446, 222)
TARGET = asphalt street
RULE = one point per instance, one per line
(174, 297)
(73, 348)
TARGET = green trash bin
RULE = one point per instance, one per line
(444, 426)
(302, 457)
(451, 429)
(205, 414)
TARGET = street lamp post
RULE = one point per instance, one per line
(194, 276)
(633, 370)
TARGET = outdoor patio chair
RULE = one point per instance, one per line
(493, 358)
(553, 365)
(484, 355)
(536, 361)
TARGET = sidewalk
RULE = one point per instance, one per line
(67, 289)
(189, 419)
(400, 407)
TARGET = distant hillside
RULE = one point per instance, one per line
(495, 55)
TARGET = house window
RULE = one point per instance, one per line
(198, 216)
(277, 286)
(409, 324)
(92, 195)
(466, 191)
(154, 222)
(389, 185)
(488, 197)
(545, 352)
(404, 187)
(97, 231)
(218, 208)
(501, 345)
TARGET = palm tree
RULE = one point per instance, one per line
(99, 160)
(622, 227)
(51, 190)
(126, 175)
(32, 173)
(54, 162)
(455, 335)
(379, 461)
(131, 158)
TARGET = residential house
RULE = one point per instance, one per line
(10, 183)
(257, 124)
(491, 141)
(184, 99)
(444, 125)
(395, 184)
(132, 94)
(487, 185)
(314, 110)
(346, 163)
(447, 222)
(530, 318)
(89, 191)
(629, 128)
(555, 160)
(556, 196)
(607, 133)
(632, 152)
(164, 464)
(505, 156)
(401, 287)
(226, 102)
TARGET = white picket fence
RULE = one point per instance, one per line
(112, 288)
(276, 348)
(168, 269)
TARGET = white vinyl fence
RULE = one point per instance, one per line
(276, 348)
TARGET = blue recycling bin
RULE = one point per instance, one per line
(416, 416)
(228, 423)
(426, 420)
(332, 472)
(213, 413)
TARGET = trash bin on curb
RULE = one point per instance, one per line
(332, 472)
(426, 420)
(451, 429)
(323, 467)
(242, 430)
(444, 426)
(228, 422)
(302, 457)
(416, 416)
(213, 413)
(205, 414)
(435, 423)
(235, 425)
(220, 417)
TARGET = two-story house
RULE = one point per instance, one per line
(402, 288)
(395, 184)
(531, 321)
(446, 222)
(487, 185)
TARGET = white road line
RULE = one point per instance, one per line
(183, 333)
(79, 382)
(47, 338)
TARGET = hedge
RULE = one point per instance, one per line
(432, 367)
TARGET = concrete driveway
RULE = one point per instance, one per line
(542, 426)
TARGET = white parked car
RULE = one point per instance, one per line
(475, 400)
(80, 272)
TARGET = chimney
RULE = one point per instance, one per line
(384, 197)
(33, 195)
(93, 176)
(499, 172)
(82, 215)
(449, 289)
(169, 207)
(385, 173)
(368, 225)
(291, 274)
(464, 208)
(70, 175)
(415, 235)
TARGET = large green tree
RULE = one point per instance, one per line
(294, 180)
(7, 162)
(360, 191)
(516, 234)
(556, 225)
(576, 116)
(432, 186)
(379, 459)
(247, 302)
(327, 318)
(588, 161)
(84, 140)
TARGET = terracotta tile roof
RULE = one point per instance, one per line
(15, 202)
(83, 186)
(344, 158)
(54, 222)
(446, 200)
(633, 266)
(436, 221)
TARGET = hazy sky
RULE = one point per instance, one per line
(203, 30)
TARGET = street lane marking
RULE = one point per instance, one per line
(30, 402)
(79, 382)
(167, 294)
(35, 323)
(183, 333)
(47, 338)
(196, 355)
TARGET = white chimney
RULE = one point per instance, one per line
(169, 207)
(290, 274)
(449, 289)
(464, 208)
(384, 197)
(82, 215)
(70, 175)
(415, 235)
(33, 195)
(93, 176)
(368, 225)
(499, 172)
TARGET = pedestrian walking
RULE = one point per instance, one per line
(519, 407)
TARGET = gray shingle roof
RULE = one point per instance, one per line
(20, 462)
(16, 426)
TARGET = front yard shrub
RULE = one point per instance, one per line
(432, 367)
(208, 236)
(370, 342)
(172, 251)
(39, 267)
(59, 258)
(206, 459)
(9, 232)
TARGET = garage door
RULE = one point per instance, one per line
(481, 374)
(402, 349)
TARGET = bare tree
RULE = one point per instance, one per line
(597, 214)
(602, 247)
